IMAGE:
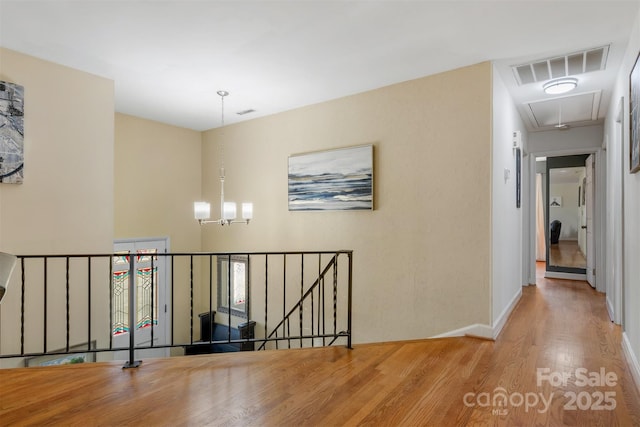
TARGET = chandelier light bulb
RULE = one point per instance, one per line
(202, 210)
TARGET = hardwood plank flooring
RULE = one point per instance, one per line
(559, 325)
(567, 253)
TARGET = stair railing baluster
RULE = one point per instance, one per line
(314, 297)
(301, 296)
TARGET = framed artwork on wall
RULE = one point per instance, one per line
(556, 202)
(11, 133)
(340, 179)
(634, 118)
(76, 356)
(518, 177)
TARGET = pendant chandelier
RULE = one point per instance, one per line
(228, 210)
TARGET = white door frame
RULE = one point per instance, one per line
(590, 211)
(599, 208)
(615, 226)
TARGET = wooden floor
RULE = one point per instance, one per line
(567, 253)
(559, 325)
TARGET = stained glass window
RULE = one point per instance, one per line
(146, 280)
(122, 258)
(146, 290)
(145, 255)
(120, 302)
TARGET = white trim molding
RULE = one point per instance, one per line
(475, 330)
(485, 331)
(562, 275)
(504, 316)
(632, 360)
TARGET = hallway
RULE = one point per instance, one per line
(531, 375)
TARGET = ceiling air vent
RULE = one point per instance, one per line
(562, 66)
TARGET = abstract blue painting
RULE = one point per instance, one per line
(340, 179)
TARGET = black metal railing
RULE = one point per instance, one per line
(67, 304)
(284, 326)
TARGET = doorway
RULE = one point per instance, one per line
(564, 212)
(150, 294)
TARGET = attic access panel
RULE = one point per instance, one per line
(581, 108)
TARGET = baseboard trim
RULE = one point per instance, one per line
(632, 360)
(477, 330)
(480, 330)
(499, 323)
(568, 276)
(609, 309)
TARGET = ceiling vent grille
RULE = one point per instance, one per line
(562, 66)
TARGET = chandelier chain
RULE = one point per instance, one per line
(222, 94)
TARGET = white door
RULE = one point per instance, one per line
(150, 296)
(589, 199)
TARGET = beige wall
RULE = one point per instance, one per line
(157, 179)
(66, 202)
(422, 257)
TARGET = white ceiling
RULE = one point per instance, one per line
(169, 58)
(567, 175)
